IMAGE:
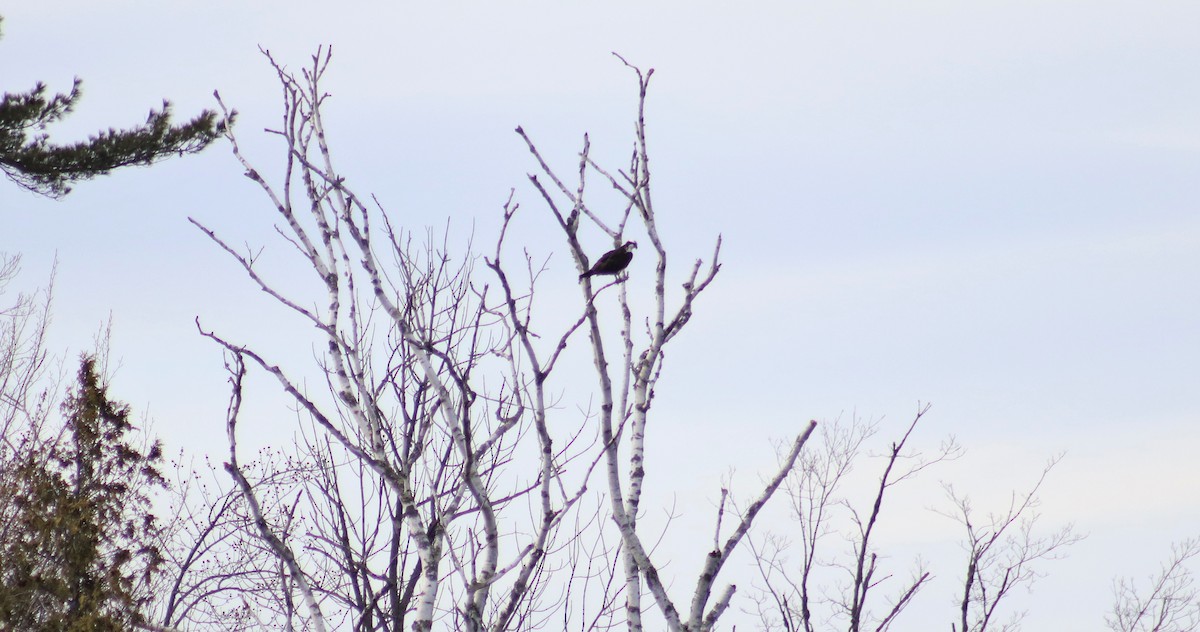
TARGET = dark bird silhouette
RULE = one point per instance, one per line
(612, 261)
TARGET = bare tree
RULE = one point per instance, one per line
(437, 472)
(27, 381)
(1003, 552)
(844, 583)
(204, 564)
(435, 485)
(828, 588)
(1172, 603)
(627, 393)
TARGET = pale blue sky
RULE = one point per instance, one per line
(990, 206)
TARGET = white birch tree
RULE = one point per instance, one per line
(438, 482)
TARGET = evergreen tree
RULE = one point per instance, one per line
(77, 552)
(28, 157)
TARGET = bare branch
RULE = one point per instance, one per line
(1172, 603)
(281, 549)
(1003, 552)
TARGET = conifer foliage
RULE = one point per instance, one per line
(28, 157)
(78, 549)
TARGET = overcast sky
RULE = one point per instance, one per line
(990, 206)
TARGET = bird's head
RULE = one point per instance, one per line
(629, 245)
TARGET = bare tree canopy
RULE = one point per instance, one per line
(438, 482)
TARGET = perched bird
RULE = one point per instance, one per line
(612, 261)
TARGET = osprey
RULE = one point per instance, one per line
(612, 261)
